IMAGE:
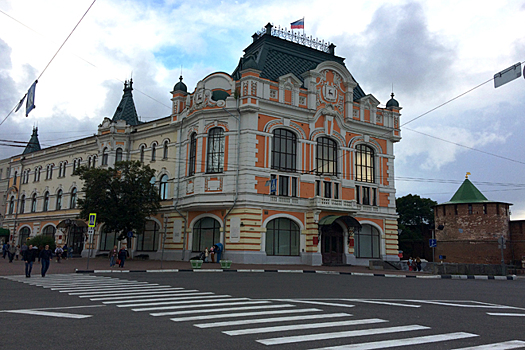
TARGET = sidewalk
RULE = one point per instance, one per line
(81, 264)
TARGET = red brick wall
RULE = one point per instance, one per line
(517, 240)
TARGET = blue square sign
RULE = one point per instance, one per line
(432, 243)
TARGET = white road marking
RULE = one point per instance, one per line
(303, 326)
(109, 296)
(505, 314)
(99, 287)
(271, 319)
(313, 302)
(258, 307)
(137, 295)
(476, 305)
(513, 344)
(244, 314)
(381, 302)
(345, 334)
(123, 291)
(164, 298)
(200, 306)
(401, 342)
(183, 302)
(47, 313)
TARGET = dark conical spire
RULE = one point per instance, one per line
(126, 109)
(33, 145)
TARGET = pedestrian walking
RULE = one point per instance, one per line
(122, 255)
(11, 252)
(23, 248)
(418, 264)
(29, 257)
(45, 258)
(58, 253)
(17, 252)
(410, 264)
(113, 256)
(64, 252)
(5, 247)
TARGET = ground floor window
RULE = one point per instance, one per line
(148, 238)
(49, 231)
(206, 232)
(367, 242)
(24, 235)
(282, 237)
(108, 240)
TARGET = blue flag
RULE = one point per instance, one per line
(20, 103)
(30, 102)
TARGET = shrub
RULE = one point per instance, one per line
(41, 241)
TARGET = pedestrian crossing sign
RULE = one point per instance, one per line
(92, 219)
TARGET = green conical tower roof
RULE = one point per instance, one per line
(33, 145)
(126, 109)
(467, 193)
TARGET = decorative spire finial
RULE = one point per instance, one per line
(466, 176)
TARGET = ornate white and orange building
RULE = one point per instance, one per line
(285, 161)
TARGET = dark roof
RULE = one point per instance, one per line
(33, 145)
(180, 86)
(276, 57)
(392, 102)
(126, 109)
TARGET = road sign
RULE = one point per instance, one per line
(442, 257)
(273, 186)
(92, 219)
(130, 234)
(432, 243)
(507, 75)
(91, 231)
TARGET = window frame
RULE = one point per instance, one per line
(192, 156)
(34, 202)
(284, 150)
(276, 232)
(58, 202)
(326, 156)
(364, 163)
(215, 151)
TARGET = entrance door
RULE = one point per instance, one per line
(76, 239)
(332, 245)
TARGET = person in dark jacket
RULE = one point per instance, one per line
(122, 254)
(45, 257)
(29, 256)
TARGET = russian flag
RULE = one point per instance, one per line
(298, 24)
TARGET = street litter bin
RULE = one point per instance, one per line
(196, 264)
(226, 264)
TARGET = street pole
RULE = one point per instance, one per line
(163, 241)
(90, 241)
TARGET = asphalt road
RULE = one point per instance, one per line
(307, 311)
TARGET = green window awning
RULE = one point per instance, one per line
(4, 231)
(347, 219)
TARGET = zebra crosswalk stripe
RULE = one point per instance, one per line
(183, 302)
(384, 344)
(271, 319)
(344, 334)
(217, 310)
(168, 297)
(304, 326)
(513, 344)
(201, 306)
(245, 314)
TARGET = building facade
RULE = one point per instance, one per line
(286, 160)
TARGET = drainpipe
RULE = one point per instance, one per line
(237, 177)
(184, 239)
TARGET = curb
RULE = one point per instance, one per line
(369, 274)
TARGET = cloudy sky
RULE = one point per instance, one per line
(429, 51)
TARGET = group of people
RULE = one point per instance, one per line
(32, 253)
(10, 250)
(414, 264)
(208, 255)
(117, 257)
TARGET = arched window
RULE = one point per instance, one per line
(22, 204)
(165, 152)
(206, 233)
(23, 235)
(326, 156)
(282, 237)
(192, 155)
(105, 156)
(12, 205)
(163, 188)
(33, 203)
(153, 152)
(49, 231)
(118, 155)
(215, 162)
(14, 178)
(142, 148)
(94, 161)
(364, 164)
(367, 242)
(46, 202)
(73, 199)
(148, 238)
(59, 200)
(284, 150)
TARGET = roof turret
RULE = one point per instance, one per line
(126, 109)
(33, 145)
(180, 86)
(392, 102)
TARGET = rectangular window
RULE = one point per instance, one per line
(366, 195)
(317, 187)
(374, 196)
(294, 187)
(327, 189)
(470, 209)
(336, 190)
(358, 194)
(444, 210)
(484, 209)
(497, 208)
(272, 177)
(284, 184)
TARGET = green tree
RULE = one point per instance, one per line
(42, 241)
(123, 197)
(416, 216)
